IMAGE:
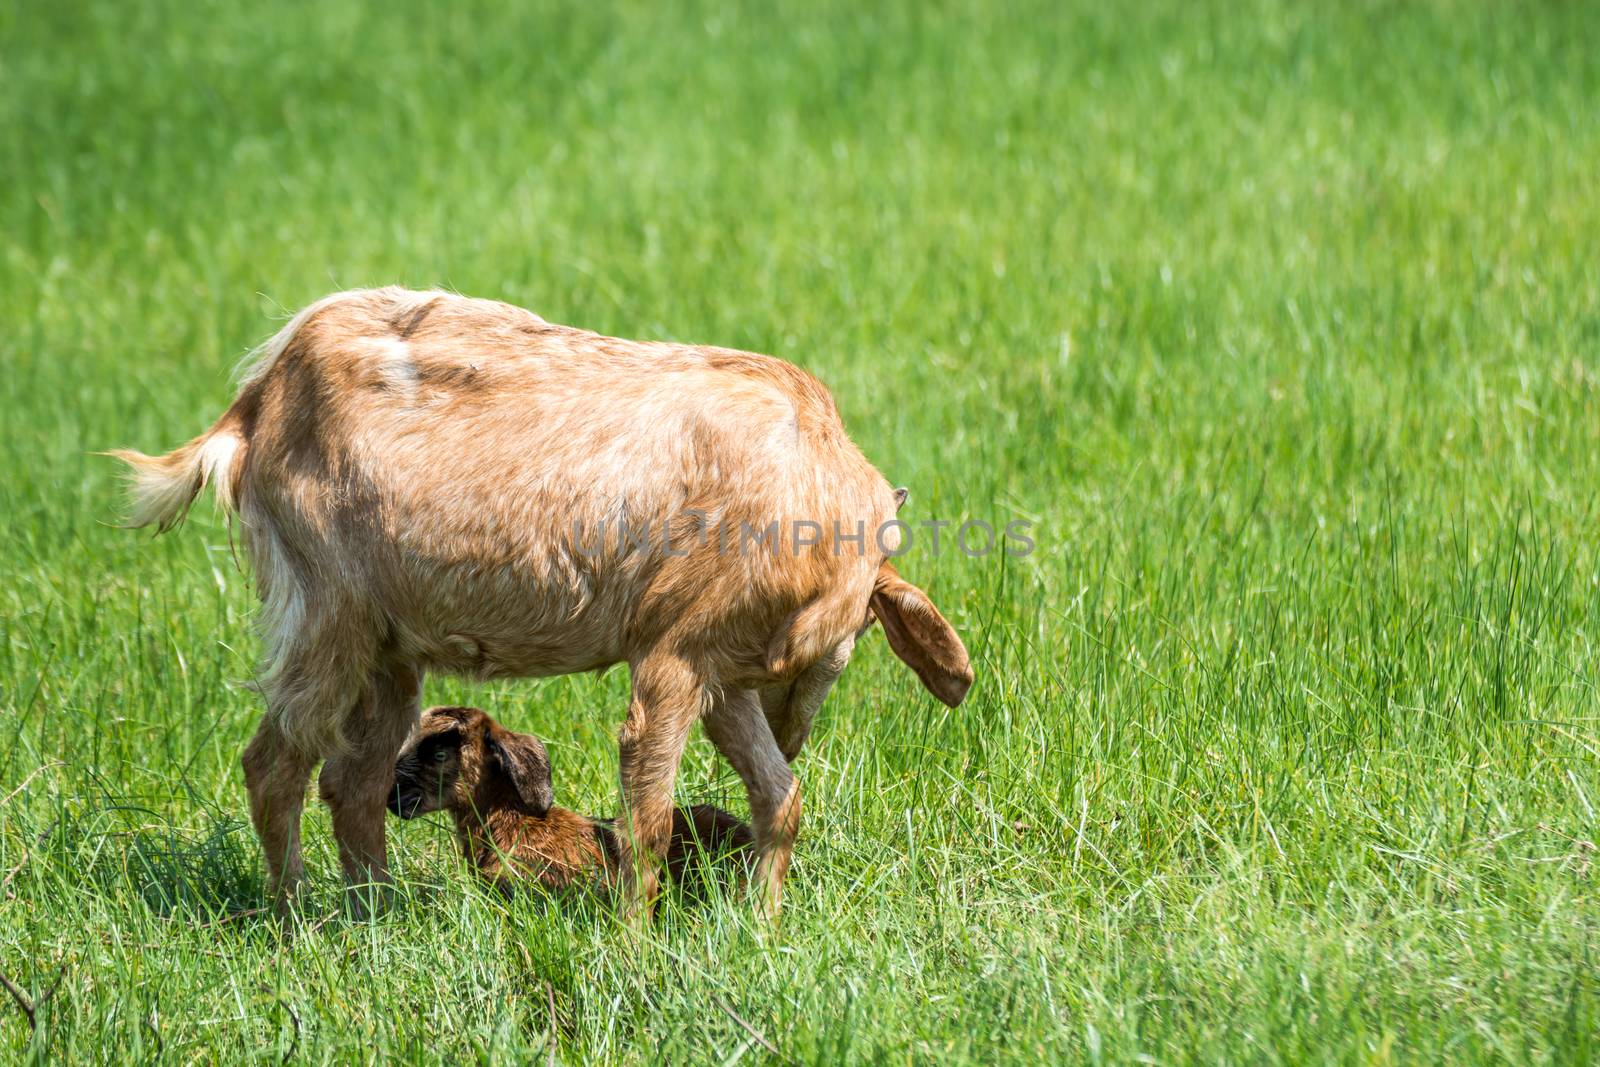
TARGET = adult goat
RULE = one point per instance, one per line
(427, 482)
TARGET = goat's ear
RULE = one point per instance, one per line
(523, 759)
(921, 637)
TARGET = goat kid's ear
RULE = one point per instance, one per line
(523, 759)
(921, 637)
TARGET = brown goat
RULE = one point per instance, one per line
(419, 477)
(496, 785)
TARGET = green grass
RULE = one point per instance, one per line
(1281, 321)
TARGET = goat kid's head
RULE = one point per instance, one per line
(462, 761)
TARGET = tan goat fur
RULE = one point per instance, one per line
(414, 473)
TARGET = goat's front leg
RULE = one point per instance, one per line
(355, 784)
(791, 706)
(738, 726)
(668, 696)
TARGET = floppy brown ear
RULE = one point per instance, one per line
(921, 637)
(523, 759)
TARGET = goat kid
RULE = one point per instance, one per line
(496, 785)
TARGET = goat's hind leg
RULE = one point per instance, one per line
(314, 674)
(355, 783)
(276, 771)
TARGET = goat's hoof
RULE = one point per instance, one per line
(767, 913)
(369, 900)
(635, 914)
(286, 896)
(635, 919)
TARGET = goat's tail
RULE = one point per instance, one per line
(161, 488)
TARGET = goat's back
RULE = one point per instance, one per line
(510, 496)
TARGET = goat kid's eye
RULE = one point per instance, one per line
(438, 755)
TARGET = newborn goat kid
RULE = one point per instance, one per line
(496, 784)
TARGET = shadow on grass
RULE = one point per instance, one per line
(176, 873)
(209, 874)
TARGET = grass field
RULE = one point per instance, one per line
(1281, 322)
